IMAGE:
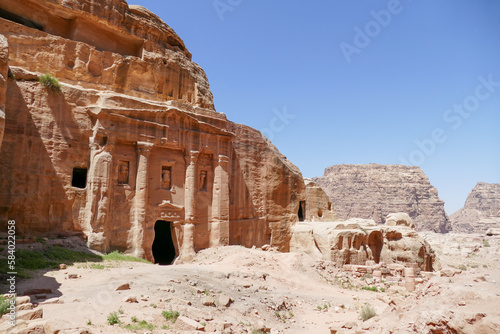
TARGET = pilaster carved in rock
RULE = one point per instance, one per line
(190, 186)
(219, 225)
(136, 235)
(98, 190)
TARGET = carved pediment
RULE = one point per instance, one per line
(170, 206)
(170, 211)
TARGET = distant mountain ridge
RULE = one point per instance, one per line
(481, 210)
(373, 191)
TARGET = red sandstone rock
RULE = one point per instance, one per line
(130, 152)
(124, 286)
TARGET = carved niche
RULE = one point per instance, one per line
(123, 172)
(166, 177)
(203, 180)
(204, 166)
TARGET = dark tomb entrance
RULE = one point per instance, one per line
(163, 245)
(79, 179)
(302, 211)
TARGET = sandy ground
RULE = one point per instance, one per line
(274, 292)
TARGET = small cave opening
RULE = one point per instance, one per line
(376, 242)
(163, 245)
(425, 260)
(19, 19)
(79, 179)
(174, 42)
(302, 211)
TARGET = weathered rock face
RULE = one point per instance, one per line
(130, 152)
(373, 191)
(481, 211)
(104, 45)
(357, 241)
(318, 206)
(399, 219)
(274, 190)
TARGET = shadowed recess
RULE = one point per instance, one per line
(163, 245)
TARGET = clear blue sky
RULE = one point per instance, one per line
(362, 87)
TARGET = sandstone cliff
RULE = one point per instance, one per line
(129, 152)
(481, 211)
(103, 45)
(373, 191)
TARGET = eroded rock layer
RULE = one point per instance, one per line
(130, 151)
(373, 191)
(481, 211)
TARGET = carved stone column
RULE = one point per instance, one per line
(187, 252)
(187, 249)
(99, 192)
(190, 187)
(140, 203)
(219, 225)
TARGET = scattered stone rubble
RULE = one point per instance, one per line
(382, 276)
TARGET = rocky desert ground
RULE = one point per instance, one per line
(239, 290)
